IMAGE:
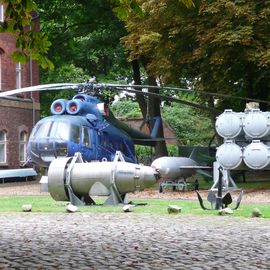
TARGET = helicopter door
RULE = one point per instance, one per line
(103, 145)
(86, 147)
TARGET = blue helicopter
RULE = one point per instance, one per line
(83, 124)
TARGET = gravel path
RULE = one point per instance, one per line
(132, 241)
(129, 240)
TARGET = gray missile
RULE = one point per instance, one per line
(173, 168)
(76, 181)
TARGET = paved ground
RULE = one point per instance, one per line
(132, 241)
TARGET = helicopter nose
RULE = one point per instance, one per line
(43, 152)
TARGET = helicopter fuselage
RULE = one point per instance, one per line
(64, 134)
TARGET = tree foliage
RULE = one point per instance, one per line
(85, 40)
(189, 127)
(127, 109)
(221, 46)
(85, 34)
(216, 46)
(19, 21)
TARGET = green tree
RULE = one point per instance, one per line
(87, 35)
(220, 46)
(132, 9)
(85, 42)
(127, 109)
(189, 127)
(31, 42)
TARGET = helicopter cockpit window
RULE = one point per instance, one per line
(60, 130)
(57, 130)
(86, 136)
(75, 133)
(42, 130)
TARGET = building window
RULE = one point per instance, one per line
(1, 13)
(0, 70)
(18, 75)
(23, 143)
(3, 146)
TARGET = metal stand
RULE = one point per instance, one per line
(72, 197)
(227, 181)
(114, 197)
(219, 193)
(182, 185)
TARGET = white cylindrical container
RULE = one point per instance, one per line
(256, 124)
(229, 155)
(257, 155)
(229, 124)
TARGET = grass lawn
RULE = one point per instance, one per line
(249, 184)
(157, 207)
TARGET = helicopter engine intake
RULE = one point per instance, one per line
(58, 107)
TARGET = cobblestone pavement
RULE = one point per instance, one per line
(132, 241)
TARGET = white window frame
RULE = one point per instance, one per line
(23, 146)
(18, 75)
(4, 143)
(2, 15)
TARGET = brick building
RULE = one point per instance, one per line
(18, 113)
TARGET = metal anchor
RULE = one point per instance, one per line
(218, 202)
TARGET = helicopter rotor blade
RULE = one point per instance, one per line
(190, 91)
(43, 87)
(129, 88)
(90, 86)
(167, 98)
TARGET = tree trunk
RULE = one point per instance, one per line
(257, 87)
(250, 80)
(154, 110)
(137, 79)
(263, 93)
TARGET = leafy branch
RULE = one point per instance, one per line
(20, 17)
